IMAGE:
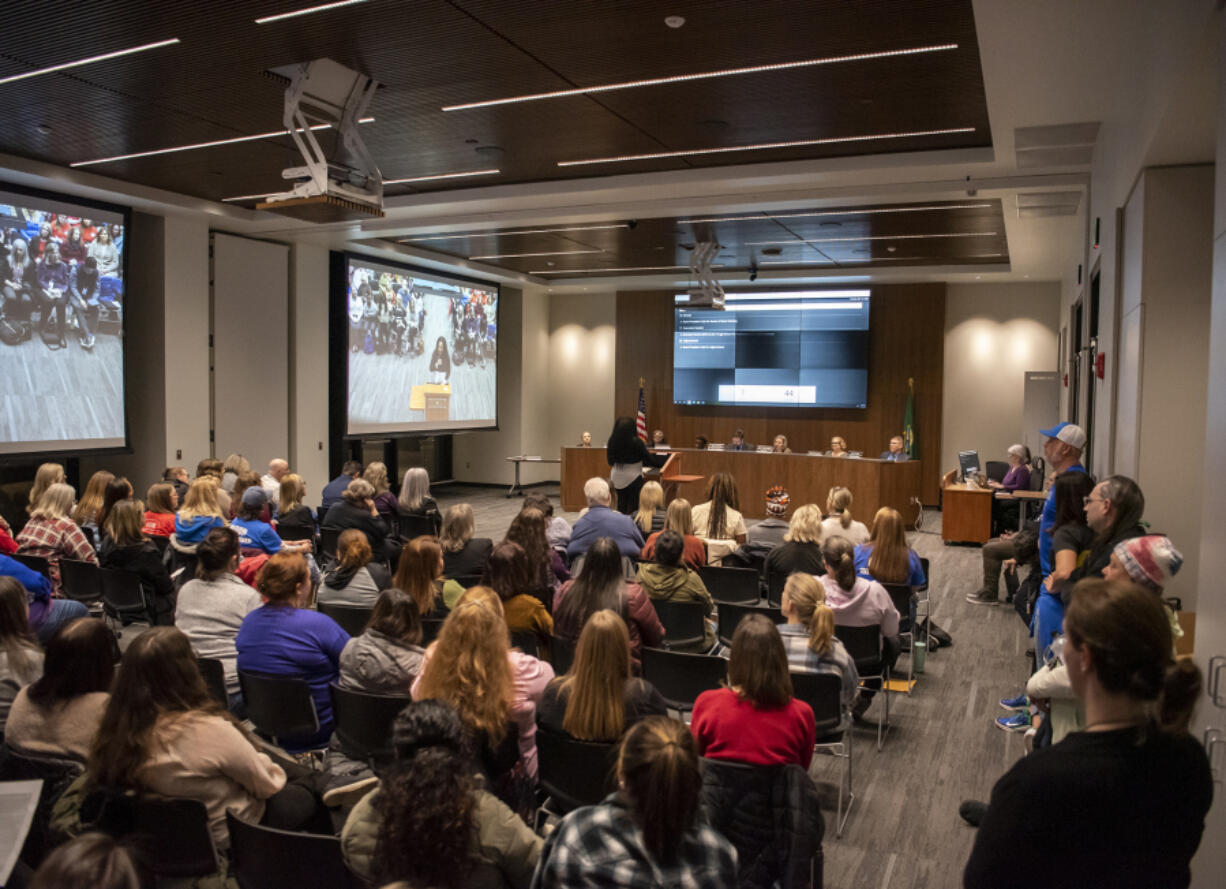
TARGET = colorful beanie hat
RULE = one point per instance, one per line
(1151, 560)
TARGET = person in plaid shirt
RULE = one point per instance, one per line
(808, 636)
(50, 533)
(649, 833)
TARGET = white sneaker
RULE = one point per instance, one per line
(1028, 739)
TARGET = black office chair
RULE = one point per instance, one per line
(573, 773)
(81, 581)
(775, 582)
(681, 677)
(824, 693)
(414, 526)
(561, 654)
(279, 706)
(56, 774)
(123, 596)
(162, 543)
(737, 586)
(352, 618)
(328, 538)
(268, 858)
(430, 627)
(685, 625)
(864, 644)
(364, 722)
(468, 581)
(730, 616)
(170, 837)
(525, 641)
(214, 675)
(39, 564)
(996, 470)
(1038, 468)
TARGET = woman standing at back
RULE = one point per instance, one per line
(838, 517)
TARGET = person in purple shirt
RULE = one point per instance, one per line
(602, 521)
(46, 614)
(281, 639)
(1005, 512)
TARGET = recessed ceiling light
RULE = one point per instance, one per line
(674, 21)
(89, 61)
(873, 238)
(639, 268)
(523, 255)
(795, 261)
(196, 145)
(891, 248)
(508, 234)
(764, 146)
(297, 12)
(977, 277)
(441, 176)
(706, 75)
(845, 211)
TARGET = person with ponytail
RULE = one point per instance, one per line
(838, 517)
(431, 800)
(1122, 803)
(808, 635)
(649, 832)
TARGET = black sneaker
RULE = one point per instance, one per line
(981, 597)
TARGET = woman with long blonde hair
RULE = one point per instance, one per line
(808, 635)
(678, 517)
(463, 554)
(86, 513)
(801, 549)
(385, 500)
(294, 519)
(199, 512)
(838, 517)
(48, 474)
(887, 558)
(599, 698)
(650, 516)
(50, 533)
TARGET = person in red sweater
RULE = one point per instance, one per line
(8, 545)
(755, 719)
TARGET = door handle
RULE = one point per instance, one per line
(1214, 738)
(1217, 690)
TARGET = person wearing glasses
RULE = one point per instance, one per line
(838, 447)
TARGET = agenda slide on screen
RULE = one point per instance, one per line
(423, 350)
(783, 349)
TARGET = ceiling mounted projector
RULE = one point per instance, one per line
(708, 294)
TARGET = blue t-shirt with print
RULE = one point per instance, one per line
(254, 534)
(864, 550)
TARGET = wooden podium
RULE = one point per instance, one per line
(672, 479)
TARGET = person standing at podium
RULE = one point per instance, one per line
(627, 455)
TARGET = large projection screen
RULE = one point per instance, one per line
(62, 272)
(422, 349)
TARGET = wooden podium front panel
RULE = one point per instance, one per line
(966, 514)
(808, 479)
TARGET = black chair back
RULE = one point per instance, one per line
(414, 526)
(267, 858)
(730, 616)
(864, 646)
(183, 563)
(926, 565)
(170, 837)
(574, 773)
(214, 675)
(352, 618)
(81, 581)
(680, 677)
(280, 706)
(684, 622)
(430, 627)
(775, 582)
(824, 693)
(327, 542)
(35, 563)
(735, 585)
(162, 543)
(468, 581)
(123, 596)
(900, 596)
(525, 641)
(996, 470)
(364, 721)
(561, 654)
(56, 774)
(1038, 469)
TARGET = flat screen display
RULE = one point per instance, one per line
(62, 266)
(423, 350)
(802, 349)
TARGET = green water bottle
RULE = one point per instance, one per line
(919, 654)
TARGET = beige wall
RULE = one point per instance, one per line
(582, 353)
(994, 334)
(308, 417)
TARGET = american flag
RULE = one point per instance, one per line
(640, 421)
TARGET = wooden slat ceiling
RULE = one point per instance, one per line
(969, 232)
(432, 53)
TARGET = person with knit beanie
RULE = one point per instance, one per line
(771, 530)
(1150, 562)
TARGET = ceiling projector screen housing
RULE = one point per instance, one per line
(801, 349)
(62, 273)
(422, 350)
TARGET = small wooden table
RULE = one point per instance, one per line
(966, 514)
(1022, 498)
(515, 487)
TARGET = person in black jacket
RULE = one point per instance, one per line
(627, 454)
(440, 363)
(126, 548)
(356, 509)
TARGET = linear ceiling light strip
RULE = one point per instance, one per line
(492, 172)
(706, 75)
(850, 211)
(89, 61)
(508, 234)
(323, 7)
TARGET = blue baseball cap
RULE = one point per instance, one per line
(1069, 433)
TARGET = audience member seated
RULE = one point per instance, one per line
(387, 657)
(679, 518)
(808, 636)
(546, 570)
(1005, 512)
(420, 574)
(650, 515)
(231, 468)
(21, 661)
(294, 519)
(353, 578)
(210, 608)
(48, 474)
(700, 442)
(356, 509)
(887, 558)
(334, 489)
(737, 442)
(210, 466)
(670, 579)
(599, 699)
(86, 512)
(161, 502)
(50, 533)
(59, 713)
(246, 481)
(1137, 783)
(780, 445)
(415, 499)
(602, 585)
(838, 447)
(771, 531)
(801, 550)
(627, 455)
(163, 733)
(602, 521)
(45, 614)
(896, 453)
(117, 490)
(650, 832)
(254, 534)
(838, 517)
(755, 719)
(385, 500)
(508, 574)
(177, 478)
(430, 800)
(94, 859)
(463, 554)
(282, 639)
(717, 521)
(557, 529)
(8, 545)
(198, 515)
(271, 480)
(859, 602)
(491, 685)
(125, 548)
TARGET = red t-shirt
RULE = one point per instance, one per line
(159, 524)
(727, 727)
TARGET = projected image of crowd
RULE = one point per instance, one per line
(60, 275)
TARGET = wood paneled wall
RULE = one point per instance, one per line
(906, 340)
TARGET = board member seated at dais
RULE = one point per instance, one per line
(838, 447)
(896, 452)
(602, 521)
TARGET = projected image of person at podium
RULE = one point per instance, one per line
(440, 363)
(627, 455)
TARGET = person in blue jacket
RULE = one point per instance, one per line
(254, 535)
(46, 614)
